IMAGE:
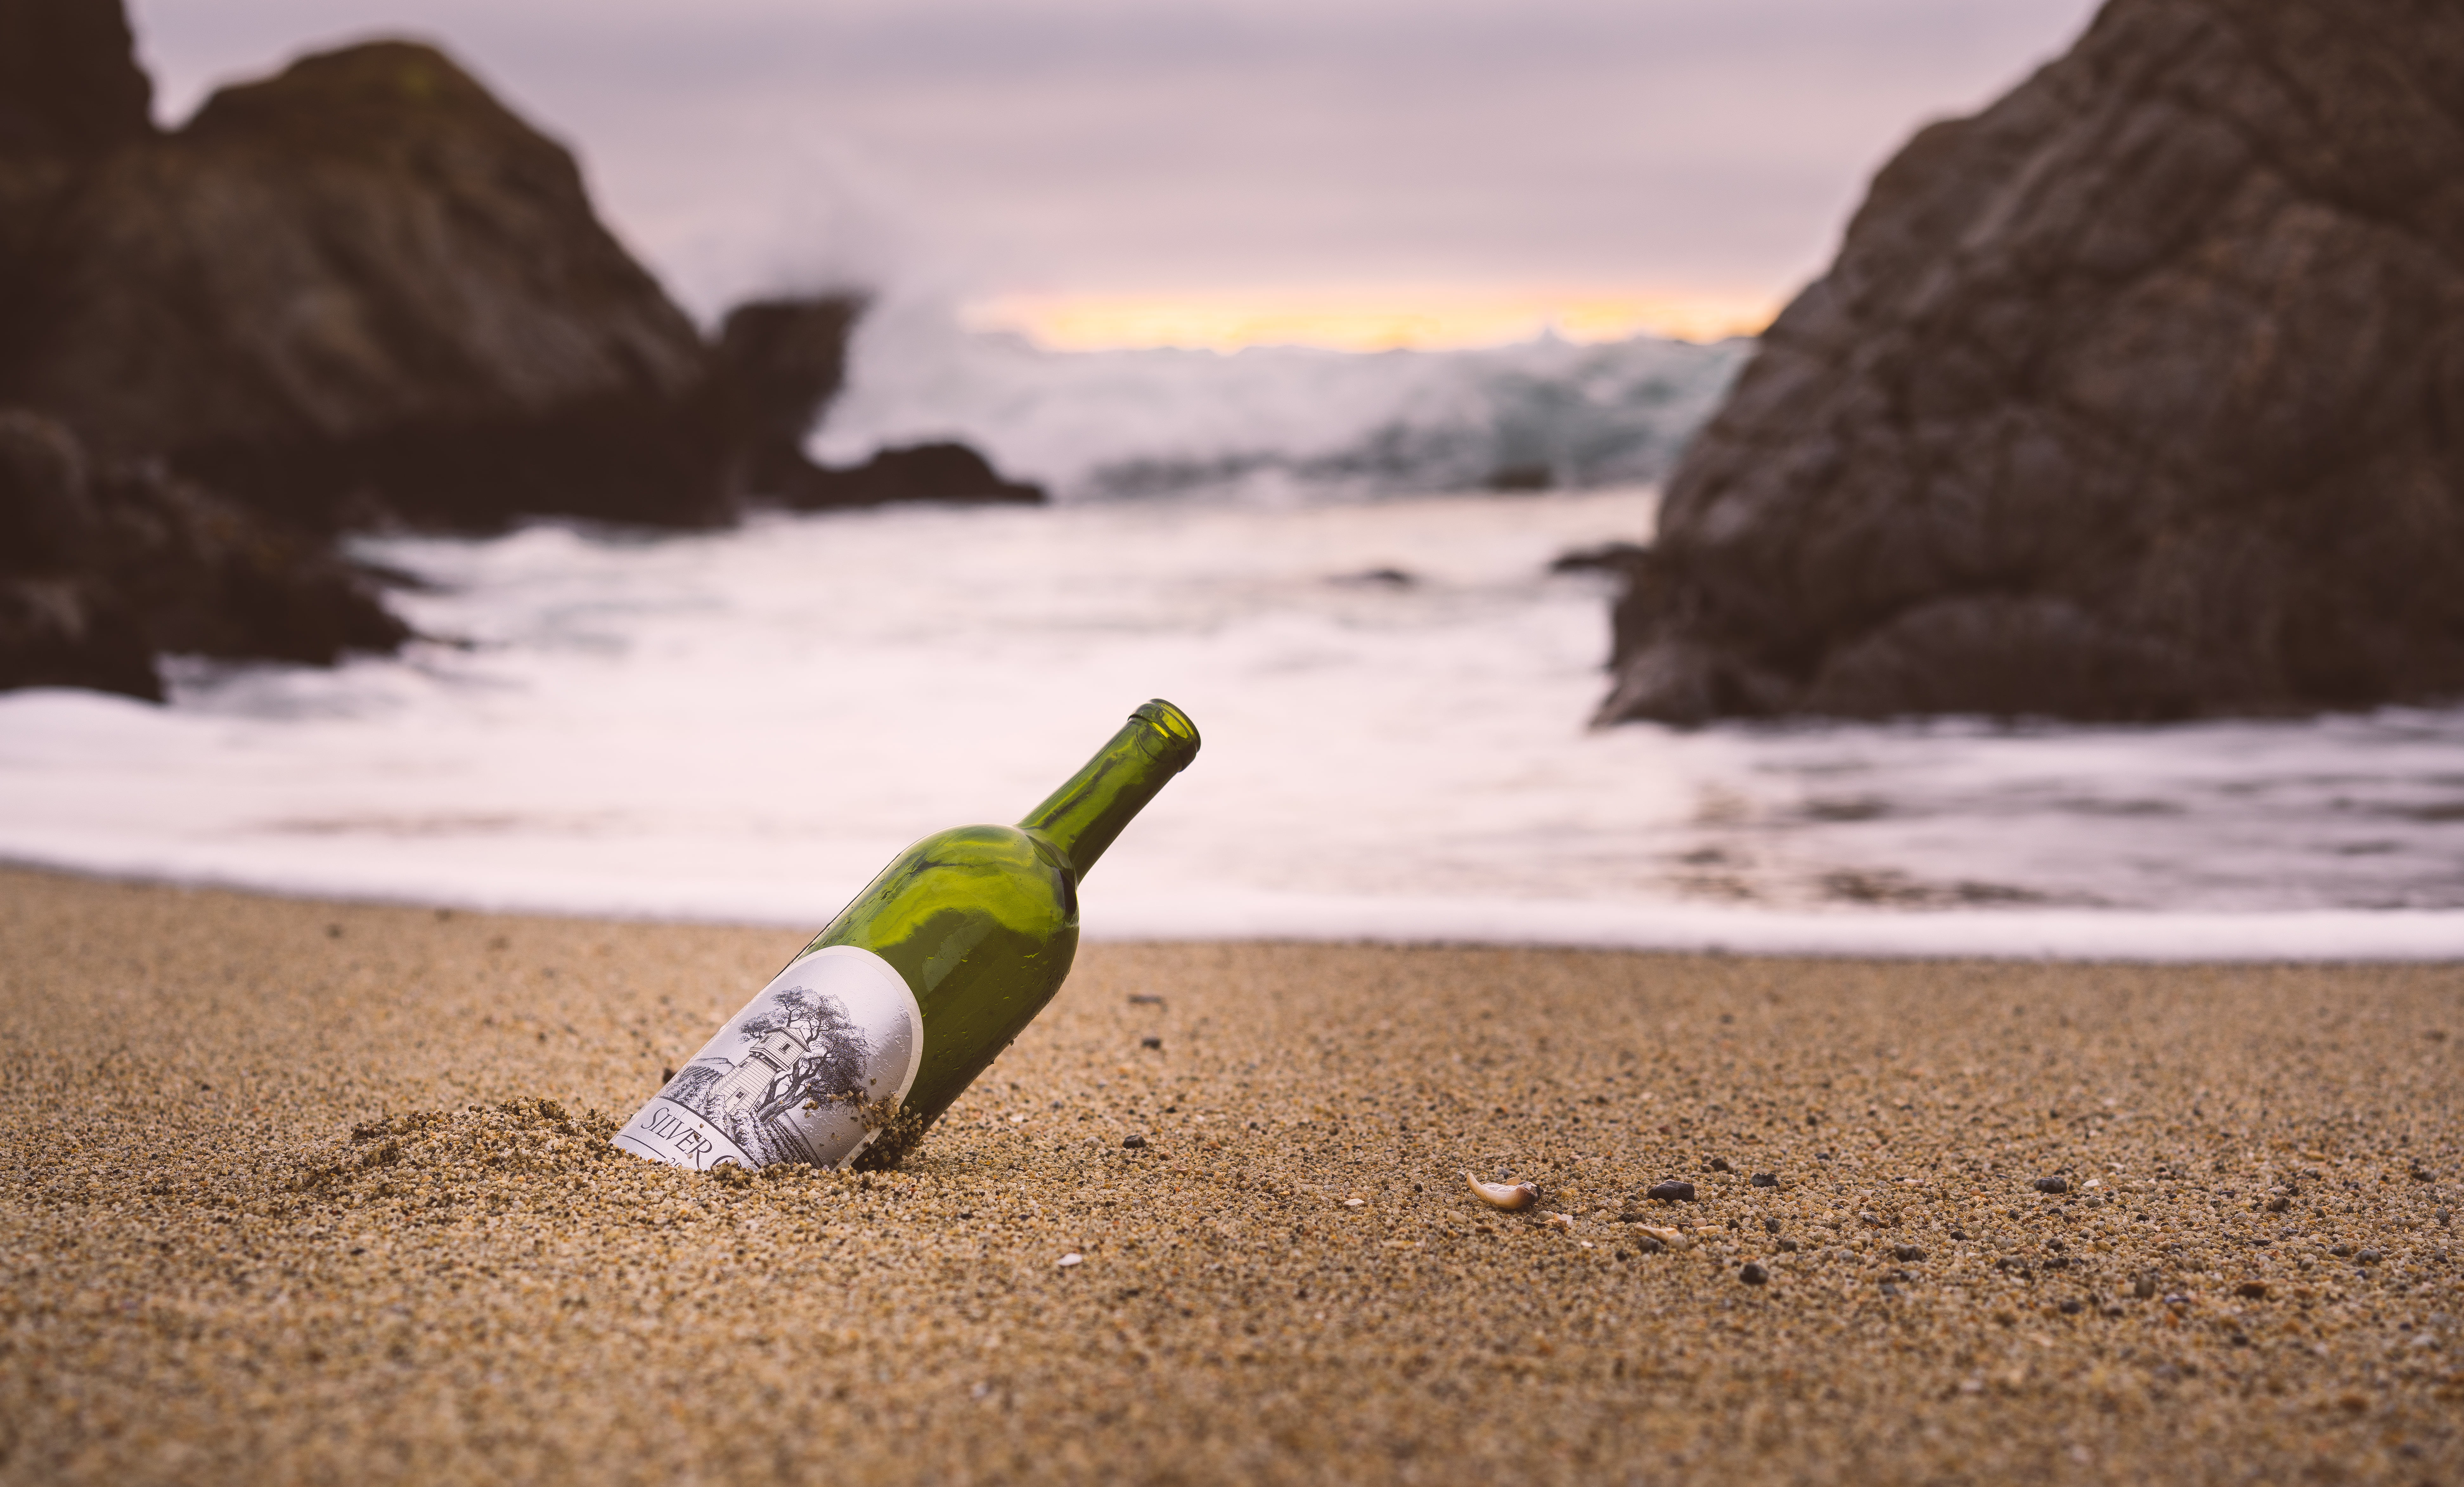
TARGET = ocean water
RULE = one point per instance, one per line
(1277, 423)
(1394, 695)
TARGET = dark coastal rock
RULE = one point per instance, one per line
(362, 293)
(105, 567)
(69, 80)
(2136, 396)
(1522, 478)
(364, 278)
(69, 93)
(937, 472)
(58, 626)
(47, 517)
(1610, 558)
(779, 363)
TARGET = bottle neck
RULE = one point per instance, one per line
(1084, 816)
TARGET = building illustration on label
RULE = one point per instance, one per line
(801, 1052)
(808, 1072)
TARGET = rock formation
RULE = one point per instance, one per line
(936, 471)
(359, 292)
(70, 85)
(778, 364)
(105, 566)
(364, 289)
(2139, 395)
(362, 279)
(69, 93)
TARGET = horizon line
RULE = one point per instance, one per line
(1364, 319)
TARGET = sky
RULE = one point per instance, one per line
(1105, 173)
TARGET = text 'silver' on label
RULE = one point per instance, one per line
(811, 1070)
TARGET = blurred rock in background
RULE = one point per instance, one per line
(359, 293)
(940, 470)
(2139, 395)
(364, 279)
(105, 565)
(778, 364)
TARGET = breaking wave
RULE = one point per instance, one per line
(1284, 422)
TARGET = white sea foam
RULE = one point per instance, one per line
(1277, 422)
(745, 725)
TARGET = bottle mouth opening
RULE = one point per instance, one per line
(1170, 736)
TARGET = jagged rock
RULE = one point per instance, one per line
(778, 364)
(364, 277)
(937, 472)
(47, 519)
(69, 80)
(2136, 396)
(363, 291)
(54, 632)
(359, 292)
(70, 91)
(103, 569)
(1613, 558)
(1509, 479)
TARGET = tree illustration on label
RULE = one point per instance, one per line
(802, 1053)
(811, 1070)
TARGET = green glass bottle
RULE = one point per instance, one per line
(851, 1053)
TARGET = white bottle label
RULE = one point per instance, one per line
(811, 1070)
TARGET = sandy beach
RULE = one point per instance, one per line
(308, 1193)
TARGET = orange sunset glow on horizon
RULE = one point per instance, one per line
(1364, 320)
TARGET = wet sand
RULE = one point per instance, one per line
(296, 1191)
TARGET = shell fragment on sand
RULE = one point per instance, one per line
(1513, 1197)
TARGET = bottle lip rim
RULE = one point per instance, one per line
(1179, 732)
